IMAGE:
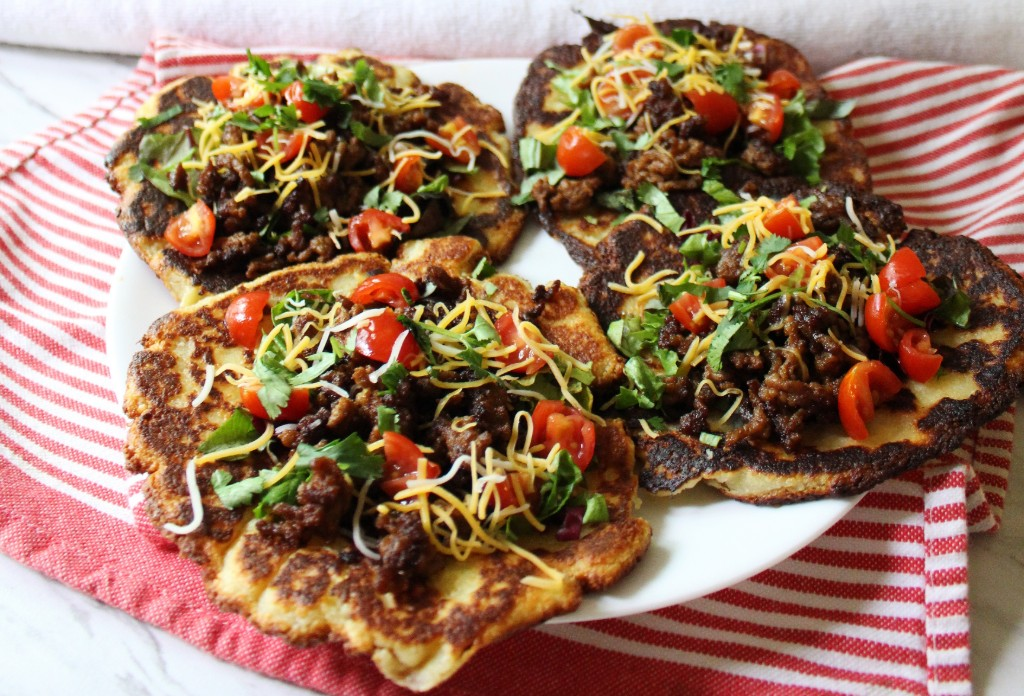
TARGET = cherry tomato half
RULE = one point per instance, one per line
(554, 423)
(801, 255)
(271, 142)
(917, 356)
(309, 111)
(509, 335)
(782, 222)
(884, 324)
(686, 309)
(609, 98)
(229, 90)
(506, 492)
(376, 340)
(401, 463)
(865, 384)
(577, 154)
(783, 84)
(718, 109)
(191, 233)
(386, 288)
(296, 408)
(626, 37)
(243, 318)
(765, 112)
(408, 174)
(464, 141)
(903, 278)
(373, 230)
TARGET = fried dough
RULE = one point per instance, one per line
(476, 202)
(322, 589)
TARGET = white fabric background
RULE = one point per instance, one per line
(829, 33)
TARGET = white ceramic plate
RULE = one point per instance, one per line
(702, 541)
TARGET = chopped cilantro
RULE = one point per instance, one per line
(392, 376)
(380, 198)
(664, 212)
(732, 333)
(700, 249)
(368, 135)
(351, 455)
(275, 379)
(731, 77)
(162, 117)
(236, 431)
(387, 419)
(801, 143)
(683, 37)
(237, 494)
(955, 307)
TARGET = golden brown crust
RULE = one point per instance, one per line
(982, 375)
(144, 212)
(844, 161)
(323, 591)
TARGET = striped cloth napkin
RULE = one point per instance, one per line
(877, 604)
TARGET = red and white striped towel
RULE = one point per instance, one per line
(879, 603)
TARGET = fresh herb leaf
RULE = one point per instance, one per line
(351, 455)
(711, 167)
(557, 490)
(484, 269)
(844, 236)
(647, 386)
(367, 83)
(731, 77)
(625, 142)
(380, 198)
(683, 37)
(717, 190)
(387, 419)
(236, 431)
(664, 212)
(319, 364)
(162, 117)
(802, 143)
(435, 188)
(369, 136)
(482, 334)
(314, 300)
(732, 333)
(766, 249)
(710, 439)
(160, 154)
(830, 108)
(276, 386)
(284, 491)
(240, 493)
(622, 199)
(421, 332)
(700, 249)
(392, 376)
(632, 335)
(596, 510)
(955, 307)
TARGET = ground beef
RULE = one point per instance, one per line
(652, 166)
(218, 184)
(570, 195)
(406, 554)
(730, 265)
(320, 503)
(762, 156)
(663, 104)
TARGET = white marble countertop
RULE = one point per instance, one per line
(58, 641)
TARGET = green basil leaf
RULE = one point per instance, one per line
(236, 431)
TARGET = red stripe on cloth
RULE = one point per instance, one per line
(882, 85)
(839, 589)
(750, 602)
(877, 562)
(59, 349)
(877, 531)
(946, 609)
(62, 398)
(965, 97)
